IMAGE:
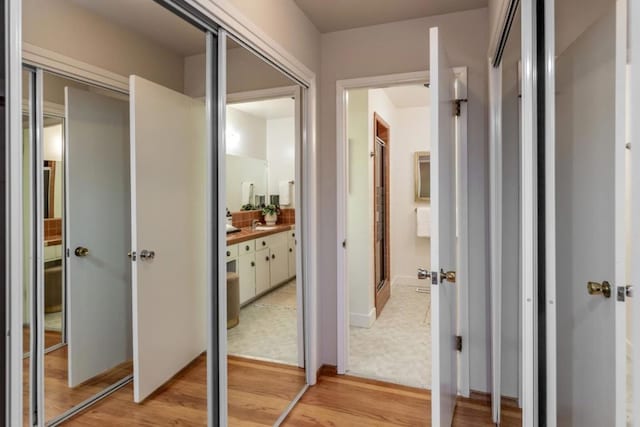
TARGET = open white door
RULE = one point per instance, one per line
(443, 235)
(168, 182)
(97, 219)
(590, 225)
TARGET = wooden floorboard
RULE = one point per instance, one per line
(342, 400)
(258, 393)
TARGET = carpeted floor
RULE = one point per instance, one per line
(397, 347)
(268, 328)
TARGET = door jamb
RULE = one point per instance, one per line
(420, 77)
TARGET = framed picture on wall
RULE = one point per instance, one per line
(422, 168)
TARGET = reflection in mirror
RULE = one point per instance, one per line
(264, 296)
(511, 379)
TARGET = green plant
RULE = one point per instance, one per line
(270, 210)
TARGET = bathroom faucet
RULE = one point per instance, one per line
(254, 224)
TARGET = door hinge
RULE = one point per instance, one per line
(458, 343)
(457, 109)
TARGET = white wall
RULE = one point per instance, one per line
(246, 134)
(63, 27)
(409, 134)
(359, 250)
(396, 48)
(281, 153)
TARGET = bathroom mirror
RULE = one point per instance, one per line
(422, 176)
(246, 180)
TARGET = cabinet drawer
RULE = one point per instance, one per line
(276, 239)
(232, 252)
(52, 252)
(247, 247)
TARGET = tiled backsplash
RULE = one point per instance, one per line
(52, 228)
(245, 218)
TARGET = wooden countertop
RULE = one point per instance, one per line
(53, 241)
(245, 233)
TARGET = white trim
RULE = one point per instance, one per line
(528, 191)
(620, 223)
(14, 224)
(69, 67)
(262, 94)
(343, 315)
(362, 320)
(495, 227)
(550, 213)
(634, 42)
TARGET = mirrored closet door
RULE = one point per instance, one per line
(265, 295)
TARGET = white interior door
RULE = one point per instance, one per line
(443, 234)
(590, 224)
(168, 182)
(98, 219)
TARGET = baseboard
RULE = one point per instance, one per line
(327, 371)
(362, 320)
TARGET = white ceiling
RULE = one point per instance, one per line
(336, 15)
(151, 21)
(408, 96)
(268, 109)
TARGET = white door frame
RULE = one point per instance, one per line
(634, 42)
(263, 95)
(420, 77)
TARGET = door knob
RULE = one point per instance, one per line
(81, 251)
(595, 288)
(423, 273)
(132, 255)
(449, 276)
(146, 254)
(629, 290)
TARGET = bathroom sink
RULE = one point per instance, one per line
(265, 227)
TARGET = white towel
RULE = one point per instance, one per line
(284, 188)
(247, 193)
(423, 221)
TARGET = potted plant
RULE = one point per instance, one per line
(270, 213)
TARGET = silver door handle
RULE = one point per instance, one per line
(145, 254)
(423, 273)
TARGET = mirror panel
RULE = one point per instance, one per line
(423, 176)
(265, 351)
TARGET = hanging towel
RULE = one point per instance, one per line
(285, 192)
(247, 193)
(423, 221)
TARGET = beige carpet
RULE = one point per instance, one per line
(397, 347)
(268, 328)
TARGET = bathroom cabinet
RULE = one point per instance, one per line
(263, 263)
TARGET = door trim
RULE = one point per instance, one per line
(419, 77)
(382, 295)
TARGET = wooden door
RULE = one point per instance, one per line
(381, 223)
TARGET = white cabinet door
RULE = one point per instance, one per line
(97, 215)
(247, 273)
(279, 263)
(262, 270)
(292, 252)
(443, 236)
(168, 171)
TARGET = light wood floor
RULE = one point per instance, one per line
(354, 402)
(260, 391)
(59, 397)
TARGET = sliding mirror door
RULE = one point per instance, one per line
(116, 188)
(265, 336)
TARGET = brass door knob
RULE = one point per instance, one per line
(81, 251)
(595, 288)
(449, 276)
